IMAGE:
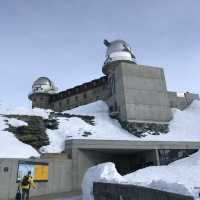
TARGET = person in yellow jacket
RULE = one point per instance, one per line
(26, 184)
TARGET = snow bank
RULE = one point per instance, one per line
(105, 128)
(11, 147)
(105, 172)
(12, 110)
(16, 123)
(185, 125)
(181, 176)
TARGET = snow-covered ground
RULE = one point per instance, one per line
(11, 147)
(185, 126)
(181, 177)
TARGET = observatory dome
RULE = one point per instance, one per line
(118, 50)
(43, 85)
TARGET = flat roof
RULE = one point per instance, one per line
(89, 144)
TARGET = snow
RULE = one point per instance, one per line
(11, 147)
(181, 177)
(185, 125)
(16, 123)
(105, 172)
(12, 110)
(74, 128)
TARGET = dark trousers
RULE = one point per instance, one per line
(25, 194)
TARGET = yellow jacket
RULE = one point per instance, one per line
(30, 184)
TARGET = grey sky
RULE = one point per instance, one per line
(62, 39)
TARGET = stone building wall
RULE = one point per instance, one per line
(134, 93)
(181, 101)
(81, 98)
(140, 93)
(80, 95)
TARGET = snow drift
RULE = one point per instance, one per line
(105, 172)
(181, 177)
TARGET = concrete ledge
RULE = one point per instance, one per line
(128, 145)
(110, 191)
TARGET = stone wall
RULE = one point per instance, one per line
(81, 98)
(181, 101)
(60, 177)
(134, 93)
(73, 97)
(109, 191)
(144, 93)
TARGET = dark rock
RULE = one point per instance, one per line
(139, 129)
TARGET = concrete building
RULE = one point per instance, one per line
(133, 92)
(67, 170)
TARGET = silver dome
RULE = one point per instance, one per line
(117, 46)
(43, 85)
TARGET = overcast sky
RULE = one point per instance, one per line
(62, 39)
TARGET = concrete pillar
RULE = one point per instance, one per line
(157, 157)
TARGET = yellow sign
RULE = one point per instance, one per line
(39, 171)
